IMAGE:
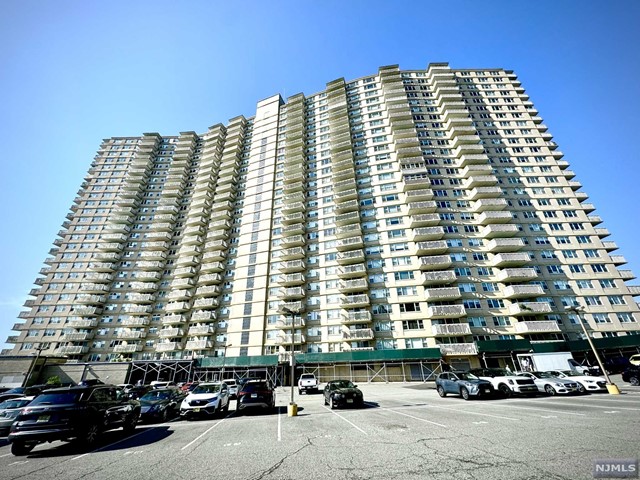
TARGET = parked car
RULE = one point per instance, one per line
(506, 382)
(162, 384)
(551, 385)
(465, 384)
(160, 404)
(138, 390)
(256, 394)
(632, 375)
(635, 359)
(307, 383)
(586, 383)
(206, 399)
(81, 413)
(616, 365)
(188, 386)
(9, 410)
(241, 381)
(18, 392)
(233, 388)
(342, 393)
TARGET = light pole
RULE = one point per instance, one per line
(224, 359)
(32, 367)
(579, 310)
(293, 408)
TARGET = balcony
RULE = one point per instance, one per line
(137, 308)
(424, 220)
(419, 195)
(349, 243)
(478, 181)
(415, 184)
(427, 233)
(149, 265)
(294, 241)
(168, 346)
(130, 334)
(416, 208)
(206, 303)
(292, 218)
(292, 266)
(445, 293)
(431, 248)
(207, 267)
(203, 316)
(177, 306)
(354, 301)
(210, 278)
(201, 330)
(350, 271)
(83, 323)
(494, 216)
(87, 311)
(356, 317)
(347, 218)
(76, 337)
(71, 350)
(208, 291)
(199, 345)
(496, 230)
(450, 329)
(349, 231)
(170, 332)
(180, 283)
(458, 349)
(173, 319)
(348, 286)
(438, 278)
(351, 257)
(90, 299)
(435, 262)
(529, 308)
(472, 159)
(294, 253)
(287, 339)
(499, 245)
(509, 275)
(522, 291)
(541, 326)
(510, 259)
(485, 192)
(489, 204)
(626, 274)
(446, 311)
(131, 321)
(140, 297)
(292, 293)
(357, 334)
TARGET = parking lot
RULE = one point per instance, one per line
(405, 431)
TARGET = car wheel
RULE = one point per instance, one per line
(441, 391)
(581, 388)
(550, 390)
(21, 448)
(504, 390)
(226, 407)
(299, 392)
(130, 423)
(332, 403)
(324, 400)
(90, 435)
(634, 381)
(465, 393)
(165, 415)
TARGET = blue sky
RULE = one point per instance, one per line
(75, 72)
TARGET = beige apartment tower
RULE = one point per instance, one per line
(406, 216)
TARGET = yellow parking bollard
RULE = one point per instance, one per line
(613, 389)
(292, 410)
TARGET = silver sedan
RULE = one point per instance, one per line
(550, 384)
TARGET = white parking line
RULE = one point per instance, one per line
(205, 432)
(583, 405)
(279, 425)
(417, 418)
(350, 423)
(543, 410)
(476, 413)
(114, 443)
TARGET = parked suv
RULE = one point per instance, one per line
(632, 375)
(79, 413)
(256, 394)
(506, 382)
(465, 384)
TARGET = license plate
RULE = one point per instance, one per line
(254, 395)
(43, 418)
(349, 400)
(196, 409)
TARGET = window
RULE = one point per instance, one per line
(409, 307)
(471, 304)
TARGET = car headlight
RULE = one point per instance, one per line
(558, 384)
(510, 381)
(590, 381)
(337, 395)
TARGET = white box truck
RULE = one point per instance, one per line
(541, 362)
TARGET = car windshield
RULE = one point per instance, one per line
(570, 373)
(56, 398)
(157, 395)
(466, 376)
(230, 383)
(344, 384)
(211, 388)
(16, 403)
(543, 374)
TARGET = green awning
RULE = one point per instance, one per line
(253, 361)
(494, 346)
(370, 356)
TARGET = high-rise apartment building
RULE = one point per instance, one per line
(407, 214)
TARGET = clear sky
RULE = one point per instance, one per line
(75, 72)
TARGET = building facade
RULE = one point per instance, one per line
(405, 213)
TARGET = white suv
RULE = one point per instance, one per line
(506, 382)
(206, 399)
